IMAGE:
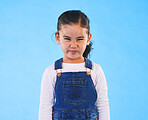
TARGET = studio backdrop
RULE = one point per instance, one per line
(27, 47)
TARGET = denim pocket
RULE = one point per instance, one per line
(74, 91)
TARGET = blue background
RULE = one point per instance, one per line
(28, 47)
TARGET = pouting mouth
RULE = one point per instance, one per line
(72, 51)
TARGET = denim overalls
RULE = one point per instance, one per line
(75, 95)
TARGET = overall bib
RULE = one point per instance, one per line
(75, 95)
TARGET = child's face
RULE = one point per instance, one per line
(73, 40)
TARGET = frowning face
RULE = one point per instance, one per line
(73, 40)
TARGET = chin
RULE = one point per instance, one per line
(74, 57)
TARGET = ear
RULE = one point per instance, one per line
(57, 37)
(89, 38)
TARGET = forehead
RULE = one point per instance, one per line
(73, 29)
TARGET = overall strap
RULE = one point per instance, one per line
(88, 63)
(58, 63)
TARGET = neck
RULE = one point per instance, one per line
(80, 60)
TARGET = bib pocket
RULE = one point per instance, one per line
(74, 91)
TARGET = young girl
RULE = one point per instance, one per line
(74, 87)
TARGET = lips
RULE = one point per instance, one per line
(72, 51)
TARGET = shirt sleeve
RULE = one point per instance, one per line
(102, 102)
(46, 97)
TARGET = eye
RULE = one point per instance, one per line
(67, 38)
(79, 39)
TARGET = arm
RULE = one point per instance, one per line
(46, 97)
(102, 99)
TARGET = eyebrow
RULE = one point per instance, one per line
(77, 37)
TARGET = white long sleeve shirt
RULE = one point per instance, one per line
(47, 94)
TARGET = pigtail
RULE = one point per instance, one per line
(87, 50)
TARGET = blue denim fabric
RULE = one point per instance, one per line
(75, 95)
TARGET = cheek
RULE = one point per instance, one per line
(64, 46)
(82, 48)
(83, 45)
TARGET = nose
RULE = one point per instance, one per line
(73, 44)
